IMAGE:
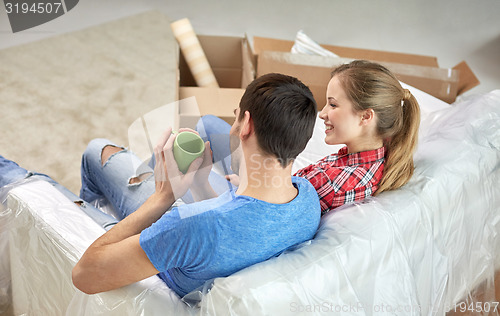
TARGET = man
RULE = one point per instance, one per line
(190, 244)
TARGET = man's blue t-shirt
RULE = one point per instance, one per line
(197, 242)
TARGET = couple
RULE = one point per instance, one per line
(367, 110)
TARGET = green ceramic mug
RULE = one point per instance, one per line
(187, 147)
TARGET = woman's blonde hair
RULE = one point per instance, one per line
(372, 86)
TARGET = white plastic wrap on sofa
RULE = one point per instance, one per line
(413, 251)
(48, 234)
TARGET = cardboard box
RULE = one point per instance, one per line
(261, 44)
(315, 71)
(419, 71)
(233, 64)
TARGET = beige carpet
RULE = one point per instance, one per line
(59, 93)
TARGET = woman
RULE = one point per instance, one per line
(377, 120)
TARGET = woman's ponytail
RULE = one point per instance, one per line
(398, 166)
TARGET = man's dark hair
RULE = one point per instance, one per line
(283, 111)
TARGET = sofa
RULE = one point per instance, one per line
(424, 249)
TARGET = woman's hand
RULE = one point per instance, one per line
(168, 178)
(234, 179)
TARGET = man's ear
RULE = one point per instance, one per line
(367, 116)
(246, 126)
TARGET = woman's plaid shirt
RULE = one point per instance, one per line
(343, 178)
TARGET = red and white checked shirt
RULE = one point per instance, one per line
(343, 178)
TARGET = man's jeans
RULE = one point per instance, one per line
(126, 182)
(110, 183)
(11, 174)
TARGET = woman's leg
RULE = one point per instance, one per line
(216, 131)
(120, 177)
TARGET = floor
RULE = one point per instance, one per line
(451, 30)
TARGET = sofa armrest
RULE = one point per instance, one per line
(47, 234)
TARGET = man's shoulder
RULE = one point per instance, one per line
(299, 180)
(228, 202)
(308, 197)
(225, 201)
(304, 186)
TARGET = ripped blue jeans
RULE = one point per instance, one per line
(111, 182)
(124, 180)
(11, 175)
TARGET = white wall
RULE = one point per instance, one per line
(452, 30)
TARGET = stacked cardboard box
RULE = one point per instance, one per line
(235, 65)
(419, 71)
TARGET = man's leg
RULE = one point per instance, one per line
(114, 173)
(10, 172)
(104, 220)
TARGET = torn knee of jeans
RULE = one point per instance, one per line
(109, 151)
(139, 179)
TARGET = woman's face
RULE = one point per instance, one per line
(343, 125)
